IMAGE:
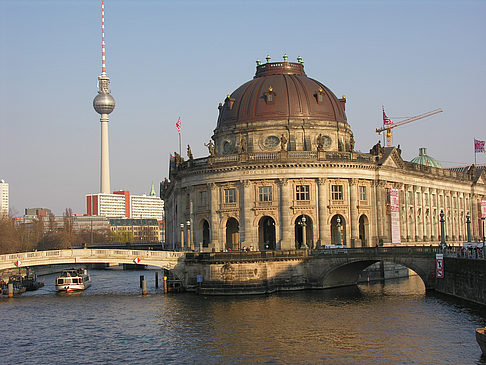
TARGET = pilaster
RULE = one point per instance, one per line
(322, 211)
(286, 243)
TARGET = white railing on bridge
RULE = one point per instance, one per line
(35, 258)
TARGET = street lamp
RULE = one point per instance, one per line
(443, 243)
(468, 226)
(338, 224)
(182, 236)
(188, 225)
(484, 238)
(303, 223)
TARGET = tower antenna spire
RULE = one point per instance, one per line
(103, 65)
(104, 104)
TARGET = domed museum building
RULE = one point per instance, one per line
(282, 173)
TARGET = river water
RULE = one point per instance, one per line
(111, 322)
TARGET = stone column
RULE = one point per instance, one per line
(191, 228)
(380, 205)
(454, 215)
(286, 242)
(415, 220)
(407, 207)
(322, 203)
(246, 234)
(403, 212)
(214, 193)
(475, 217)
(180, 215)
(353, 204)
(374, 213)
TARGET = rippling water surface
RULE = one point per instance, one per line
(111, 322)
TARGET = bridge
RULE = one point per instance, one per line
(268, 271)
(169, 260)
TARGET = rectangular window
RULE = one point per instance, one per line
(203, 198)
(434, 201)
(362, 193)
(387, 195)
(337, 192)
(230, 195)
(410, 198)
(302, 192)
(265, 193)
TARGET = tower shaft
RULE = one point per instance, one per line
(105, 157)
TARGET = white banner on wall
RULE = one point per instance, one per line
(483, 209)
(395, 215)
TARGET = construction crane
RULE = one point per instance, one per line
(389, 125)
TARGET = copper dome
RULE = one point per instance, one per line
(280, 91)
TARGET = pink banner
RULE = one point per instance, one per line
(483, 209)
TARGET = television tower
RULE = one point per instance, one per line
(104, 104)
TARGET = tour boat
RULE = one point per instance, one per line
(72, 280)
(481, 338)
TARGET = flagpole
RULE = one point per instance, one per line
(180, 152)
(475, 153)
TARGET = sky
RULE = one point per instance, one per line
(170, 59)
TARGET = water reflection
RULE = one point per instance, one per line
(392, 323)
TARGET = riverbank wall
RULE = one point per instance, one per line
(464, 278)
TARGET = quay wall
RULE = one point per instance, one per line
(464, 278)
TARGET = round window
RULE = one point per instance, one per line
(271, 142)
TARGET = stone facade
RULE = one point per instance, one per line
(285, 180)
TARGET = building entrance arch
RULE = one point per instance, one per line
(364, 230)
(232, 235)
(266, 233)
(338, 230)
(205, 233)
(304, 232)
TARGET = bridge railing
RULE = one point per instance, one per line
(244, 255)
(465, 253)
(382, 251)
(86, 253)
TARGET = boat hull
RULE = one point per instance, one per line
(72, 287)
(481, 338)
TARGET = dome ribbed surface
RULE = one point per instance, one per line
(294, 96)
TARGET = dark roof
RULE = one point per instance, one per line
(294, 96)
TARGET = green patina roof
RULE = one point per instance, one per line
(424, 159)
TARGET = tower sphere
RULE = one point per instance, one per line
(104, 103)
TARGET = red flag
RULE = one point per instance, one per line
(178, 125)
(479, 146)
(386, 120)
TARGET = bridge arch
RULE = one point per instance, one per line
(345, 271)
(169, 260)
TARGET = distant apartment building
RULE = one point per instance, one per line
(4, 199)
(143, 206)
(138, 230)
(107, 205)
(121, 204)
